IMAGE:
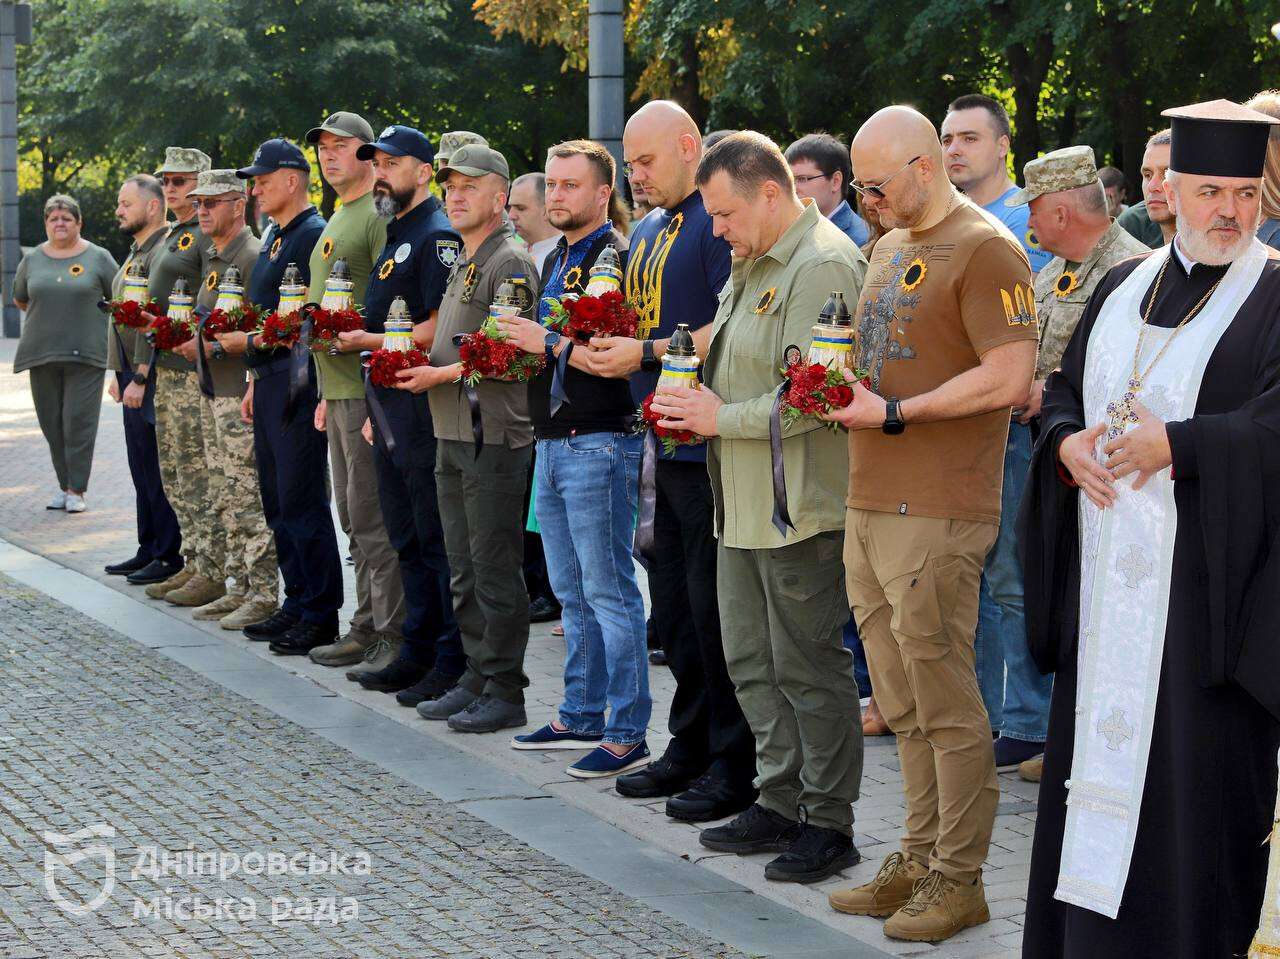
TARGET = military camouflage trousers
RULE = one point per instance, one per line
(182, 468)
(241, 545)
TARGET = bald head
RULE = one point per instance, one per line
(662, 145)
(898, 150)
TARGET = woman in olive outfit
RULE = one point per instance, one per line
(64, 343)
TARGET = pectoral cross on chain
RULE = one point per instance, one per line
(1122, 412)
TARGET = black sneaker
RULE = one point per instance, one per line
(756, 830)
(817, 854)
(301, 638)
(661, 778)
(711, 797)
(400, 673)
(543, 610)
(431, 686)
(128, 566)
(277, 624)
(488, 714)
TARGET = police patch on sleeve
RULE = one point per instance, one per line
(402, 252)
(447, 251)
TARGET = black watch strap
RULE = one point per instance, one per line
(893, 423)
(648, 362)
(139, 379)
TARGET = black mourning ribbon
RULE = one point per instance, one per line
(558, 395)
(300, 364)
(382, 434)
(472, 396)
(781, 517)
(648, 500)
(149, 395)
(203, 374)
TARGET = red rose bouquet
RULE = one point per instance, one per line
(327, 324)
(815, 389)
(582, 317)
(670, 439)
(489, 353)
(167, 333)
(243, 319)
(130, 313)
(280, 331)
(385, 364)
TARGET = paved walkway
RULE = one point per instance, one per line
(84, 543)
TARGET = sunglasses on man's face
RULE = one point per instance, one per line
(175, 180)
(203, 204)
(876, 191)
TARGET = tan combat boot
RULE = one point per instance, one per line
(939, 908)
(884, 895)
(1032, 769)
(176, 581)
(249, 611)
(198, 591)
(219, 607)
(346, 651)
(381, 653)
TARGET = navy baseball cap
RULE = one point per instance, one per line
(399, 141)
(275, 154)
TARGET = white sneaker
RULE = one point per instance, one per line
(75, 503)
(59, 500)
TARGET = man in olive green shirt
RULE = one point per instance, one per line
(177, 397)
(140, 212)
(781, 595)
(355, 234)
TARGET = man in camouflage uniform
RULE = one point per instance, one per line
(1069, 217)
(177, 397)
(243, 548)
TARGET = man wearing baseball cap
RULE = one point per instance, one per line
(354, 235)
(412, 270)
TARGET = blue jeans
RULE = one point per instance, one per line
(1015, 692)
(853, 643)
(586, 503)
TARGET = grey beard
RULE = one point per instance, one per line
(384, 204)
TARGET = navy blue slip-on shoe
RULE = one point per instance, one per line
(548, 737)
(600, 762)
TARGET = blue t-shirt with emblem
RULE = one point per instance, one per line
(1016, 219)
(677, 269)
(282, 245)
(421, 249)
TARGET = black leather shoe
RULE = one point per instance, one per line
(301, 638)
(273, 627)
(543, 610)
(431, 686)
(400, 674)
(154, 572)
(661, 778)
(817, 854)
(710, 798)
(127, 567)
(756, 830)
(657, 657)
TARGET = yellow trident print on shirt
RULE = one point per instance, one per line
(1019, 309)
(644, 277)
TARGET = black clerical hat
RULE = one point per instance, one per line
(1218, 138)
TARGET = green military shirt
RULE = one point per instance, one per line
(357, 234)
(181, 253)
(242, 252)
(1063, 289)
(769, 304)
(146, 253)
(63, 323)
(504, 407)
(1140, 226)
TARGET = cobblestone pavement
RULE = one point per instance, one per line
(95, 729)
(104, 533)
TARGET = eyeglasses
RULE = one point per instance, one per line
(876, 192)
(175, 180)
(815, 176)
(202, 204)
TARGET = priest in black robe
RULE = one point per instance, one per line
(1195, 878)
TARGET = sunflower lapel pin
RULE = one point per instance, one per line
(1065, 285)
(76, 269)
(573, 278)
(766, 300)
(185, 241)
(913, 275)
(275, 248)
(326, 248)
(386, 268)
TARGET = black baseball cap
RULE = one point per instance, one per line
(399, 141)
(275, 154)
(342, 124)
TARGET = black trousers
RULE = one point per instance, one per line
(707, 727)
(292, 460)
(159, 536)
(411, 514)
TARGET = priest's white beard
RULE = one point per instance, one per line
(1200, 245)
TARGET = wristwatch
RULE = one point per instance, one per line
(248, 343)
(648, 362)
(218, 352)
(139, 379)
(893, 422)
(550, 340)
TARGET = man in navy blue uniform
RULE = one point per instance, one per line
(421, 248)
(676, 271)
(291, 456)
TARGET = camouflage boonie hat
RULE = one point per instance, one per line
(217, 182)
(1063, 169)
(452, 142)
(184, 160)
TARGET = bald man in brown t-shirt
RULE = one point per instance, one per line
(947, 331)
